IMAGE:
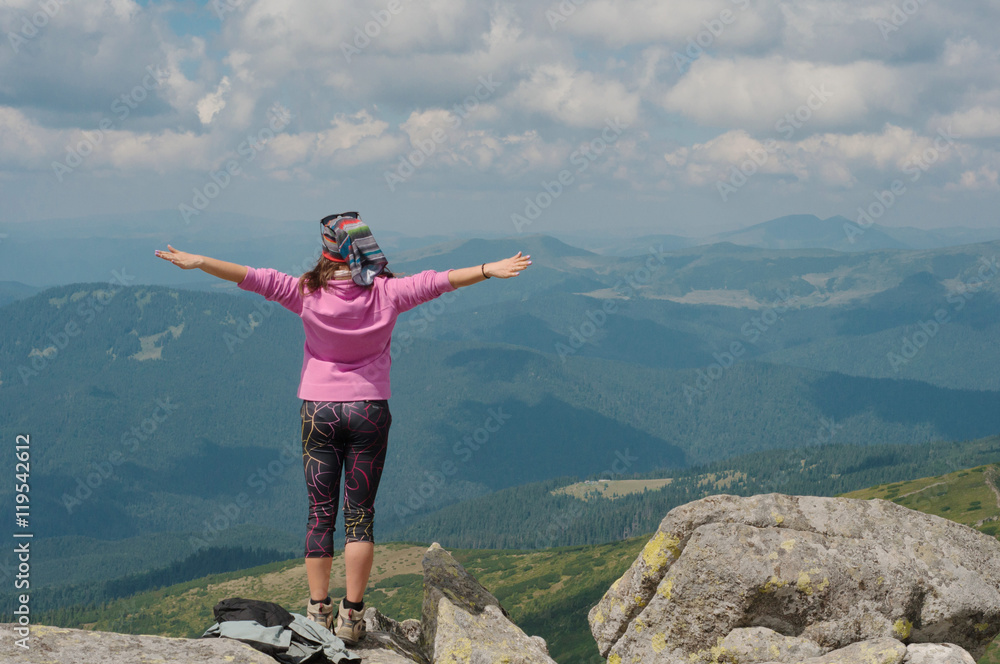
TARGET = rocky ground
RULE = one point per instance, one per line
(460, 622)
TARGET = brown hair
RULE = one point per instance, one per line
(322, 272)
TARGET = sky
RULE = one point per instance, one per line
(588, 116)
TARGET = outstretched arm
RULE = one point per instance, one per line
(508, 267)
(216, 268)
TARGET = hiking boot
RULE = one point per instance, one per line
(320, 612)
(350, 624)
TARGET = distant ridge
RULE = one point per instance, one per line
(15, 290)
(543, 248)
(800, 231)
(126, 242)
(807, 231)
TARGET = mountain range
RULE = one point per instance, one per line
(40, 254)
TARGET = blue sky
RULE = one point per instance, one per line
(660, 115)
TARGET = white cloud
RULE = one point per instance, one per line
(209, 105)
(985, 178)
(576, 98)
(756, 93)
(349, 141)
(727, 23)
(977, 122)
(22, 143)
(164, 152)
(449, 141)
(323, 29)
(835, 161)
(27, 145)
(967, 52)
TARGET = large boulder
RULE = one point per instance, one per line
(462, 623)
(832, 572)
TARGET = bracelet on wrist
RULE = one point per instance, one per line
(484, 271)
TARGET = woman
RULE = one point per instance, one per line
(348, 304)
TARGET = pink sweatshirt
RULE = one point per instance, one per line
(348, 329)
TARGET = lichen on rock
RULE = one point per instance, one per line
(829, 573)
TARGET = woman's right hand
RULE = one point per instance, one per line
(509, 267)
(181, 259)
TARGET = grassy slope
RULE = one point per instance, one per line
(610, 489)
(185, 609)
(968, 496)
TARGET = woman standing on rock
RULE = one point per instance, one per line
(348, 304)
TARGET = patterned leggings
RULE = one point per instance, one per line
(349, 436)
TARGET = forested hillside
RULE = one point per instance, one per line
(540, 515)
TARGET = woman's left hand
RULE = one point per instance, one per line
(509, 267)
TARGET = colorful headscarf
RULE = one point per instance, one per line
(347, 239)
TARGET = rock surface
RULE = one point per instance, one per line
(836, 573)
(745, 645)
(59, 645)
(936, 653)
(389, 641)
(462, 623)
(445, 579)
(376, 621)
(388, 648)
(872, 651)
